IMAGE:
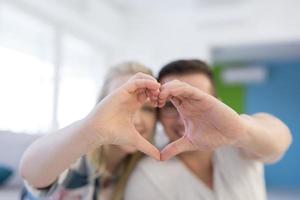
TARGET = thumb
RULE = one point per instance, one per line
(176, 147)
(145, 146)
(177, 103)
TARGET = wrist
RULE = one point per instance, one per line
(245, 137)
(89, 134)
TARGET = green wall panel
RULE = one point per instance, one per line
(232, 95)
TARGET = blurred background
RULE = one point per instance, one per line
(54, 55)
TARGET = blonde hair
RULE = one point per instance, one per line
(99, 156)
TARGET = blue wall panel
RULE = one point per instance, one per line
(280, 95)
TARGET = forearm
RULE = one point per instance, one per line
(49, 156)
(267, 138)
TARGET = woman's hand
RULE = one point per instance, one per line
(111, 121)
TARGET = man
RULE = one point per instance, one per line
(220, 154)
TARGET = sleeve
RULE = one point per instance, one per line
(233, 160)
(77, 176)
(241, 174)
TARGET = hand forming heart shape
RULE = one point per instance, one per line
(208, 122)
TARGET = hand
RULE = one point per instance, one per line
(112, 119)
(208, 122)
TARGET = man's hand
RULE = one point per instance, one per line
(208, 122)
(111, 122)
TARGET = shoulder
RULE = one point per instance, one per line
(232, 156)
(235, 168)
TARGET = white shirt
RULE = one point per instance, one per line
(235, 178)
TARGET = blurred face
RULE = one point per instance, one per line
(168, 115)
(144, 118)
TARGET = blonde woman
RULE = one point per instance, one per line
(93, 158)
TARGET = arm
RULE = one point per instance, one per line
(49, 156)
(110, 122)
(209, 124)
(267, 137)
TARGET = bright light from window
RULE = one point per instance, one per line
(26, 85)
(81, 74)
(29, 49)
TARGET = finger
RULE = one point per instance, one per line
(176, 102)
(182, 91)
(176, 89)
(152, 98)
(165, 94)
(165, 91)
(152, 94)
(142, 95)
(145, 146)
(136, 84)
(176, 147)
(148, 94)
(155, 93)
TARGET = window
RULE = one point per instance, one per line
(26, 72)
(48, 77)
(82, 73)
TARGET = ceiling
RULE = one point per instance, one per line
(169, 5)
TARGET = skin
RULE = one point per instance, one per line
(111, 122)
(203, 123)
(174, 126)
(175, 129)
(144, 121)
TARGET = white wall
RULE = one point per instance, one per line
(155, 32)
(66, 45)
(159, 32)
(91, 20)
